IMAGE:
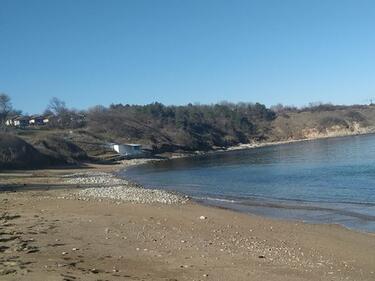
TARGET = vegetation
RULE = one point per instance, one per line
(15, 153)
(6, 109)
(191, 127)
(63, 117)
(74, 136)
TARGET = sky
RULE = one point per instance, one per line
(90, 52)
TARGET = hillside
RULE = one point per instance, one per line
(206, 127)
(15, 153)
(178, 129)
(186, 128)
(323, 122)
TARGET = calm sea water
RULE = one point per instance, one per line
(322, 181)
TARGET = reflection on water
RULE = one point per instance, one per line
(329, 181)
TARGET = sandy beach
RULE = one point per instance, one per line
(85, 224)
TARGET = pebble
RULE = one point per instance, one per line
(111, 187)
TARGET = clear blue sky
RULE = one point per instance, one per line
(176, 52)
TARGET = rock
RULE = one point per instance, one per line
(202, 217)
(94, 270)
(110, 187)
(10, 263)
(7, 271)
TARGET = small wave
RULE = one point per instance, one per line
(216, 199)
(285, 206)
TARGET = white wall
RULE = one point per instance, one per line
(126, 150)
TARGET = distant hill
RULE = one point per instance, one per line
(177, 129)
(186, 128)
(206, 127)
(323, 121)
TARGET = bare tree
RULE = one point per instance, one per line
(57, 106)
(63, 117)
(5, 107)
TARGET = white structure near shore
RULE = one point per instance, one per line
(128, 149)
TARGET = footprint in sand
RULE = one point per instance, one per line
(11, 242)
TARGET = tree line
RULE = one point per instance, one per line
(189, 127)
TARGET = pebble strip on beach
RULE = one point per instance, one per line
(101, 185)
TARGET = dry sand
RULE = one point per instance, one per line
(46, 234)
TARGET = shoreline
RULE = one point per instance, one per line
(254, 145)
(240, 208)
(182, 198)
(272, 143)
(178, 197)
(142, 161)
(283, 218)
(55, 237)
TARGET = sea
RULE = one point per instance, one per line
(329, 181)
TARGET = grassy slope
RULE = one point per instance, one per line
(307, 124)
(49, 146)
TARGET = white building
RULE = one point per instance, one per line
(46, 120)
(9, 122)
(36, 120)
(128, 149)
(22, 121)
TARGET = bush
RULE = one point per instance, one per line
(331, 121)
(196, 127)
(355, 116)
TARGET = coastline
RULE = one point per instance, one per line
(245, 146)
(271, 143)
(63, 233)
(56, 235)
(248, 206)
(181, 198)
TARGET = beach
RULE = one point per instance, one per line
(86, 224)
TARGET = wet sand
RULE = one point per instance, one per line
(46, 235)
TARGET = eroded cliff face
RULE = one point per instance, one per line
(335, 131)
(312, 125)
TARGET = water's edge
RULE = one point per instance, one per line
(260, 207)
